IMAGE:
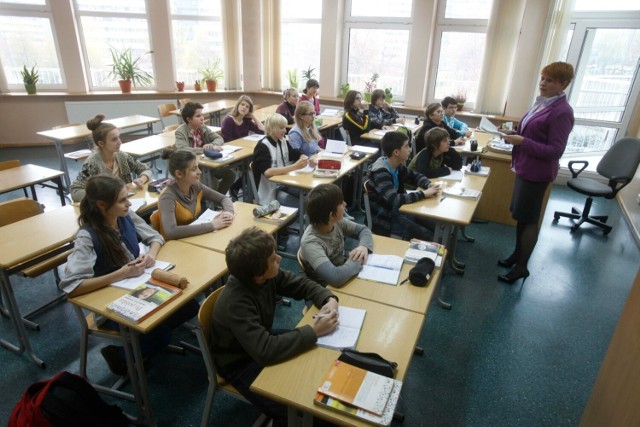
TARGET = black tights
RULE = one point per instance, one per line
(526, 239)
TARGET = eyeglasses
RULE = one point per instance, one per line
(439, 112)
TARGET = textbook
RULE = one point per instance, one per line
(283, 214)
(142, 301)
(353, 411)
(465, 193)
(348, 330)
(357, 387)
(419, 249)
(382, 268)
(487, 126)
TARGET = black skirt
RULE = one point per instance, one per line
(526, 200)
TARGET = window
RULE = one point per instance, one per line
(461, 32)
(196, 37)
(26, 38)
(300, 40)
(118, 24)
(377, 42)
(606, 54)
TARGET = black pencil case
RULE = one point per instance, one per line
(370, 361)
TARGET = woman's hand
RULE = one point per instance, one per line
(506, 131)
(513, 139)
(223, 220)
(359, 255)
(134, 268)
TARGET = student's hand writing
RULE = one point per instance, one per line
(223, 220)
(134, 268)
(148, 260)
(301, 163)
(326, 323)
(359, 254)
(513, 139)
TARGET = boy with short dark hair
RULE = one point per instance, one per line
(322, 246)
(242, 342)
(450, 106)
(388, 175)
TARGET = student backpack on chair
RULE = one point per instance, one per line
(64, 400)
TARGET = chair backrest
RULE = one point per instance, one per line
(367, 203)
(9, 164)
(254, 187)
(621, 160)
(206, 313)
(170, 128)
(15, 210)
(345, 135)
(299, 258)
(184, 101)
(163, 111)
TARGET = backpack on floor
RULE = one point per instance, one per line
(64, 400)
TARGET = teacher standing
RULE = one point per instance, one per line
(538, 144)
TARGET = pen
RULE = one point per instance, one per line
(320, 315)
(444, 196)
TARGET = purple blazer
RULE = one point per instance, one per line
(545, 138)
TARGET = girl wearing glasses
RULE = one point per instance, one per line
(433, 117)
(356, 121)
(305, 136)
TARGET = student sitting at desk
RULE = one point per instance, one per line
(106, 250)
(194, 136)
(242, 340)
(274, 156)
(382, 114)
(450, 106)
(310, 94)
(438, 158)
(355, 121)
(240, 121)
(288, 107)
(388, 176)
(433, 117)
(322, 245)
(305, 136)
(108, 159)
(181, 202)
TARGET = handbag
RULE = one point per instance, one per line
(369, 361)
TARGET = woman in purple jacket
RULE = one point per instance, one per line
(538, 145)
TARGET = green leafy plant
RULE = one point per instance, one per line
(308, 74)
(29, 77)
(370, 85)
(292, 75)
(388, 94)
(125, 67)
(344, 88)
(212, 71)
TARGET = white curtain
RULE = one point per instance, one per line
(558, 31)
(271, 45)
(232, 43)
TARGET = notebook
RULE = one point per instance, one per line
(348, 330)
(382, 269)
(334, 149)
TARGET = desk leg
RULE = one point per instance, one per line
(63, 162)
(16, 318)
(58, 181)
(441, 231)
(456, 265)
(301, 212)
(137, 374)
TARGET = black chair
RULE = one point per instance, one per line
(619, 165)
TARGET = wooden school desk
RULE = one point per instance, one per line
(449, 214)
(389, 331)
(213, 109)
(28, 176)
(218, 240)
(26, 243)
(306, 181)
(60, 135)
(201, 266)
(404, 296)
(377, 134)
(264, 112)
(242, 157)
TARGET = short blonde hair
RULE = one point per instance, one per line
(274, 121)
(244, 98)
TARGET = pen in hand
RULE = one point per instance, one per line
(319, 315)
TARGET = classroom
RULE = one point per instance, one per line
(554, 349)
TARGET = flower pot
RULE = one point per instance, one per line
(180, 86)
(197, 86)
(211, 85)
(30, 88)
(367, 96)
(460, 106)
(125, 86)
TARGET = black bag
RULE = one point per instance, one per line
(370, 361)
(421, 273)
(64, 400)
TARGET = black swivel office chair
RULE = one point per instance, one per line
(619, 165)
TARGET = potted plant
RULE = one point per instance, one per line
(127, 69)
(369, 86)
(196, 86)
(308, 74)
(388, 95)
(30, 79)
(180, 86)
(211, 73)
(344, 89)
(461, 98)
(292, 75)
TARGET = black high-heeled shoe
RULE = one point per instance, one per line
(507, 262)
(511, 277)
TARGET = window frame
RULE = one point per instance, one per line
(36, 11)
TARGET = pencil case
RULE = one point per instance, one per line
(369, 361)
